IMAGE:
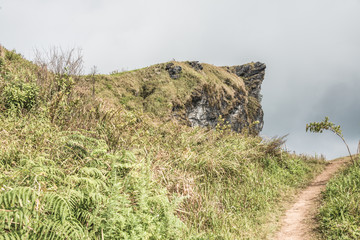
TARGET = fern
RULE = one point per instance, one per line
(103, 196)
(81, 146)
(91, 172)
(57, 206)
(85, 207)
(19, 197)
(59, 230)
(18, 209)
(10, 236)
(86, 183)
(51, 174)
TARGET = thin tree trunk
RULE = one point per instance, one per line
(342, 138)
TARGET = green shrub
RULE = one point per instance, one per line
(12, 55)
(20, 95)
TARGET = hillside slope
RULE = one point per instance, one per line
(196, 94)
(106, 159)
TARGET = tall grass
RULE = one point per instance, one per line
(340, 213)
(65, 185)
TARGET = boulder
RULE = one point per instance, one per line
(195, 65)
(173, 70)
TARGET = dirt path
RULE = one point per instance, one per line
(299, 221)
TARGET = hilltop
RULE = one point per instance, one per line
(123, 156)
(195, 94)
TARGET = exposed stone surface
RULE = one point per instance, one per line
(196, 65)
(173, 70)
(201, 112)
(253, 76)
(245, 108)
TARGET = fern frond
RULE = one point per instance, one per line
(73, 230)
(81, 145)
(83, 216)
(86, 206)
(15, 220)
(10, 236)
(86, 183)
(78, 150)
(18, 198)
(75, 198)
(59, 230)
(57, 205)
(49, 172)
(91, 172)
(78, 199)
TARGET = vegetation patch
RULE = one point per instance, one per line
(340, 212)
(69, 186)
(112, 164)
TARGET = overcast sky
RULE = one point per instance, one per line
(311, 49)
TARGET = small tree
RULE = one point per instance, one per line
(319, 127)
(66, 66)
(61, 62)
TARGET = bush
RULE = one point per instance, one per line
(12, 55)
(20, 95)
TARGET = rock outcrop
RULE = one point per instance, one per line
(193, 93)
(173, 70)
(196, 65)
(201, 112)
(240, 110)
(253, 76)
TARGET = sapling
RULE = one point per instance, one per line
(319, 127)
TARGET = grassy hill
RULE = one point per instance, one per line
(114, 157)
(156, 92)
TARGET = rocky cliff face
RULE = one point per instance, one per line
(203, 111)
(253, 75)
(240, 110)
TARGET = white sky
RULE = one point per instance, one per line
(311, 49)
